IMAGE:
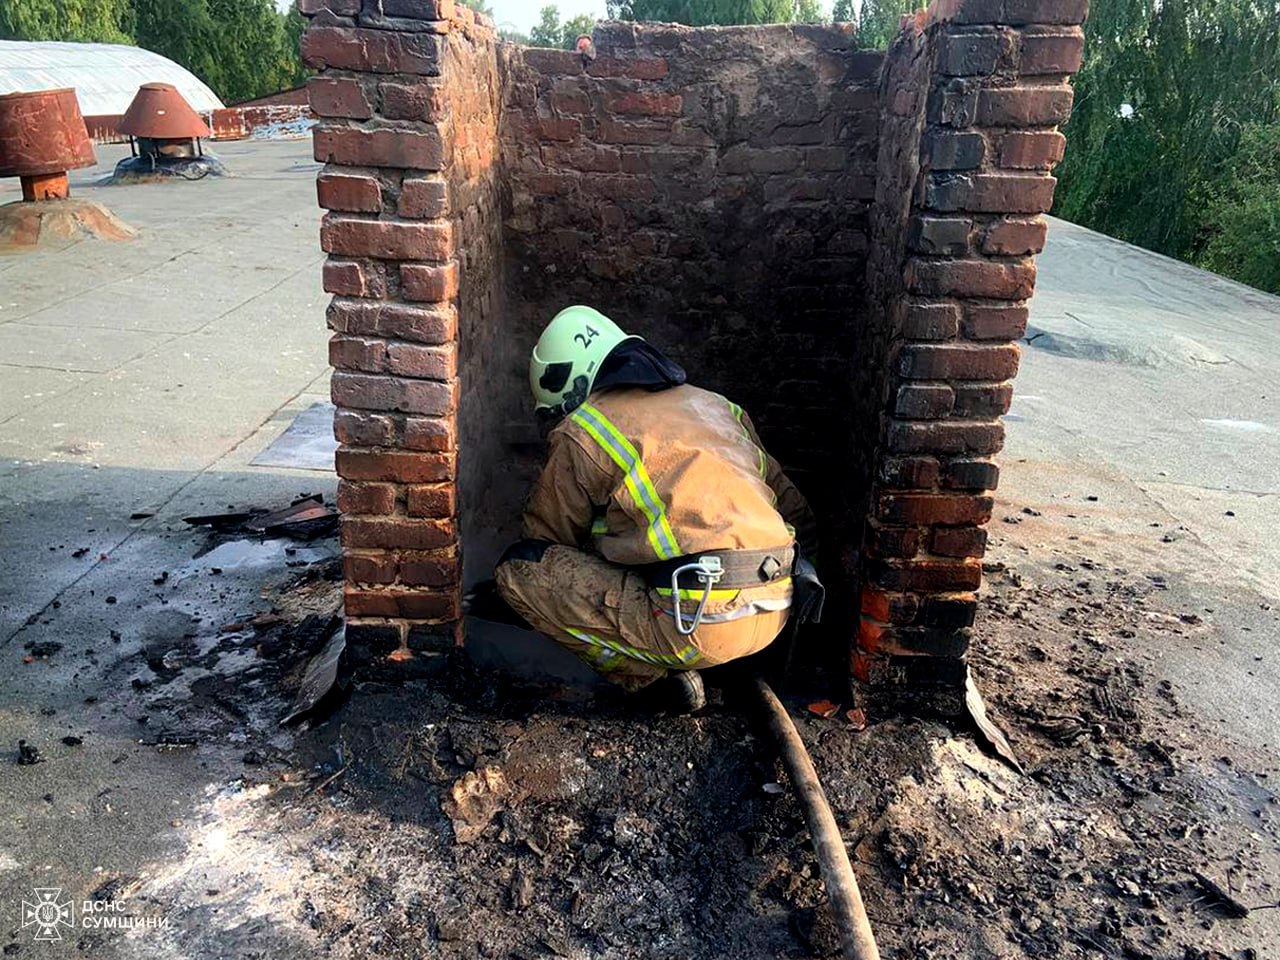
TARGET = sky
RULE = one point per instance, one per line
(523, 14)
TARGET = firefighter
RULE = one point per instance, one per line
(660, 538)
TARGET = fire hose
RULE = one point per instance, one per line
(846, 905)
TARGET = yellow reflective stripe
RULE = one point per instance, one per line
(682, 658)
(635, 477)
(599, 528)
(717, 596)
(763, 461)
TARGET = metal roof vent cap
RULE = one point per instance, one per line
(164, 136)
(42, 136)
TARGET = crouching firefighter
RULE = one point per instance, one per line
(661, 537)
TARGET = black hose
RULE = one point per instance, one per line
(833, 859)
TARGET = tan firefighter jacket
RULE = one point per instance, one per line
(642, 477)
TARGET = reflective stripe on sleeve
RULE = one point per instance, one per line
(636, 479)
(763, 461)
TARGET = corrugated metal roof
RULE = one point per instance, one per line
(105, 76)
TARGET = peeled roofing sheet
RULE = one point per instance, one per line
(105, 76)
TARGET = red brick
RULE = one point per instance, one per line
(371, 51)
(409, 604)
(434, 324)
(431, 434)
(393, 394)
(941, 236)
(364, 429)
(570, 99)
(405, 534)
(341, 8)
(426, 283)
(643, 69)
(355, 147)
(928, 509)
(913, 641)
(366, 497)
(647, 104)
(1051, 53)
(930, 321)
(983, 401)
(970, 54)
(354, 278)
(632, 133)
(386, 239)
(986, 322)
(394, 466)
(1015, 238)
(587, 158)
(1032, 150)
(889, 607)
(957, 361)
(624, 187)
(959, 541)
(423, 102)
(434, 500)
(924, 401)
(956, 151)
(991, 193)
(558, 128)
(424, 199)
(430, 570)
(1023, 106)
(999, 280)
(369, 568)
(926, 575)
(945, 437)
(338, 98)
(422, 362)
(971, 475)
(358, 353)
(420, 9)
(899, 542)
(357, 194)
(552, 63)
(912, 473)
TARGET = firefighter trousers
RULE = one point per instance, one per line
(608, 616)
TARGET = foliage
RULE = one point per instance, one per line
(1167, 89)
(1243, 212)
(551, 32)
(880, 20)
(95, 21)
(240, 48)
(705, 12)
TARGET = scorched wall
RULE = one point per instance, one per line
(842, 242)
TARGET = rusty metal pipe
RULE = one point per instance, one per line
(847, 908)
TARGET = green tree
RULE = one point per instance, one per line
(1166, 90)
(880, 20)
(843, 11)
(547, 31)
(97, 21)
(551, 32)
(1243, 213)
(706, 12)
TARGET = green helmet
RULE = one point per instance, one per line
(567, 358)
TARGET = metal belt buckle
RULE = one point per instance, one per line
(708, 570)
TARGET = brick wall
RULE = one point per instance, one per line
(842, 242)
(709, 189)
(406, 90)
(975, 90)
